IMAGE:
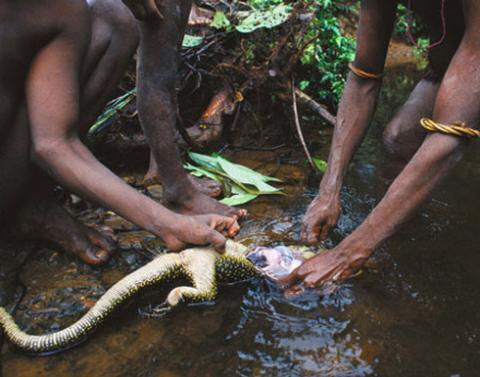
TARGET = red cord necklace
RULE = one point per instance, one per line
(409, 20)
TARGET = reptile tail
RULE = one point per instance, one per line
(154, 272)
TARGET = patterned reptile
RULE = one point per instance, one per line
(202, 266)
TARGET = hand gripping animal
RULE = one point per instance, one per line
(203, 267)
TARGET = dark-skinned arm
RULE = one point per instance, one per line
(457, 100)
(354, 115)
(53, 95)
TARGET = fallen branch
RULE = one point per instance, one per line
(315, 106)
(297, 125)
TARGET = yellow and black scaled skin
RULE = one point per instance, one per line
(203, 267)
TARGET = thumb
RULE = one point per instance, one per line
(290, 279)
(217, 240)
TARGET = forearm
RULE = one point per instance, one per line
(456, 100)
(430, 165)
(355, 113)
(359, 99)
(72, 165)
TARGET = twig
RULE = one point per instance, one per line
(236, 118)
(315, 106)
(297, 124)
(259, 149)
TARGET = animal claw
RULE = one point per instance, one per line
(157, 311)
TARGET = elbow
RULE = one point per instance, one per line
(456, 155)
(447, 149)
(365, 87)
(45, 151)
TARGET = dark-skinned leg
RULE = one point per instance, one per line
(403, 135)
(206, 186)
(157, 66)
(32, 213)
(113, 42)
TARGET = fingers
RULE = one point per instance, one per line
(228, 226)
(241, 213)
(313, 233)
(314, 279)
(310, 233)
(324, 231)
(217, 240)
(290, 279)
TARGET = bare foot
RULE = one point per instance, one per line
(45, 219)
(199, 16)
(208, 187)
(200, 204)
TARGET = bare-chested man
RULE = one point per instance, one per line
(449, 93)
(60, 63)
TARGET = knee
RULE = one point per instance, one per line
(118, 21)
(392, 138)
(71, 17)
(125, 28)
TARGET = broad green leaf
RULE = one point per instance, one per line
(205, 161)
(244, 184)
(239, 199)
(220, 21)
(211, 164)
(199, 172)
(241, 174)
(190, 41)
(264, 19)
(237, 190)
(247, 170)
(320, 164)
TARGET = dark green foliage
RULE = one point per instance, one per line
(325, 60)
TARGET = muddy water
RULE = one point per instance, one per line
(413, 312)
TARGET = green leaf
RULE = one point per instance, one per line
(244, 175)
(264, 19)
(203, 160)
(320, 164)
(220, 21)
(239, 199)
(251, 172)
(244, 184)
(111, 110)
(303, 84)
(190, 41)
(199, 172)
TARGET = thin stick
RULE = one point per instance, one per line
(299, 128)
(315, 106)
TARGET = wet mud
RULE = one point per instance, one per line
(413, 312)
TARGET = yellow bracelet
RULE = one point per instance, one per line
(363, 74)
(459, 129)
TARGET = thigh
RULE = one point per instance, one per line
(403, 135)
(113, 27)
(114, 39)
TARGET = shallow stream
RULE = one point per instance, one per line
(415, 310)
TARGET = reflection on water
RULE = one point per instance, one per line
(413, 312)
